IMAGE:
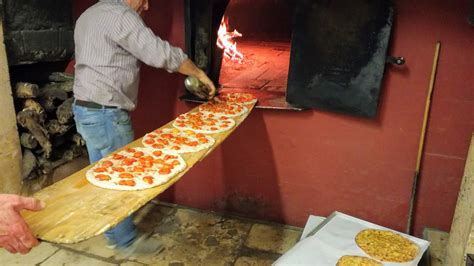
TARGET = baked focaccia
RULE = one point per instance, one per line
(386, 246)
(357, 261)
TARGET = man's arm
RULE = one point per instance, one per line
(15, 235)
(131, 33)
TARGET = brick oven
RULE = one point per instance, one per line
(328, 55)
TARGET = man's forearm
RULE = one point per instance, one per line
(190, 69)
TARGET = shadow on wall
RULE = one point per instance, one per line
(156, 100)
(249, 177)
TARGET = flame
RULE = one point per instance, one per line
(225, 41)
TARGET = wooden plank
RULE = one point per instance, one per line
(10, 179)
(437, 250)
(76, 210)
(462, 220)
(470, 242)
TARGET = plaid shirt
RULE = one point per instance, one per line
(111, 39)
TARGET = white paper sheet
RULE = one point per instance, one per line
(336, 238)
(311, 224)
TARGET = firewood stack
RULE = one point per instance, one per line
(46, 126)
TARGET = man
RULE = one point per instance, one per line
(110, 41)
(15, 235)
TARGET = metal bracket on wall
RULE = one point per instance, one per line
(399, 60)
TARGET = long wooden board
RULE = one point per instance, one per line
(10, 179)
(76, 210)
(463, 215)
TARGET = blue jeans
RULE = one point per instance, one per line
(106, 130)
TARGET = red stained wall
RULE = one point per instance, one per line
(283, 166)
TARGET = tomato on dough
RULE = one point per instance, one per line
(164, 171)
(118, 169)
(126, 175)
(148, 179)
(149, 141)
(138, 154)
(129, 183)
(102, 177)
(117, 156)
(99, 170)
(128, 161)
(107, 164)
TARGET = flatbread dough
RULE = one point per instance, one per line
(236, 97)
(223, 109)
(386, 245)
(357, 261)
(135, 169)
(205, 123)
(175, 140)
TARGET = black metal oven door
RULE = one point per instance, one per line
(338, 54)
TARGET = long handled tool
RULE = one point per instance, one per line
(422, 139)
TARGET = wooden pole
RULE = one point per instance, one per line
(10, 151)
(422, 139)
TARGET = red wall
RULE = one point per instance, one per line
(283, 166)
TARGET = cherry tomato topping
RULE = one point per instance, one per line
(125, 175)
(107, 164)
(103, 177)
(149, 141)
(164, 171)
(138, 154)
(99, 170)
(117, 156)
(118, 169)
(148, 179)
(129, 183)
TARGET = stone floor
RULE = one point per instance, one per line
(189, 236)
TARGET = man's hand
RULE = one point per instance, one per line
(15, 235)
(190, 69)
(211, 89)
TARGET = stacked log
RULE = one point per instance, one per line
(47, 131)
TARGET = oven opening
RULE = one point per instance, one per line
(255, 39)
(249, 49)
(324, 55)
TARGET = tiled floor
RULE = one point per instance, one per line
(190, 237)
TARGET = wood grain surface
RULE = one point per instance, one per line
(76, 210)
(463, 215)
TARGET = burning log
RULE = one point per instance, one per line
(29, 119)
(64, 111)
(25, 90)
(29, 163)
(28, 141)
(225, 41)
